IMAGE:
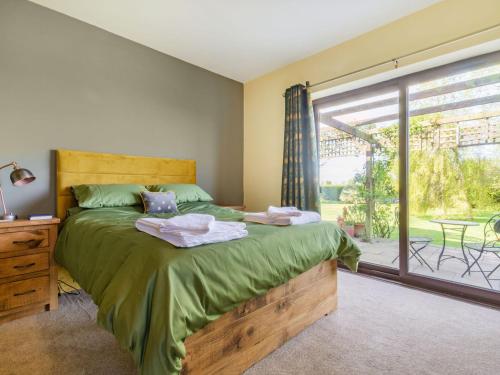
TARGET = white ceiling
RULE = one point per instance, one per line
(236, 38)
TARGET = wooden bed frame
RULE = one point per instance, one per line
(243, 336)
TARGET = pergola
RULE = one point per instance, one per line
(353, 137)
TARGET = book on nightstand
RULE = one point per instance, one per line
(41, 217)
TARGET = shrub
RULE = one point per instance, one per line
(348, 194)
(481, 177)
(355, 214)
(443, 180)
(385, 220)
(331, 192)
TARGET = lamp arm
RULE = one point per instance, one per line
(2, 198)
(11, 164)
(3, 201)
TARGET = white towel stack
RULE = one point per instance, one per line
(273, 211)
(192, 229)
(283, 216)
(192, 223)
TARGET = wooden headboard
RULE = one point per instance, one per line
(79, 167)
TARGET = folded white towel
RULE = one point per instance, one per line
(258, 217)
(283, 211)
(221, 231)
(263, 218)
(192, 223)
(306, 218)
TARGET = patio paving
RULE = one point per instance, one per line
(383, 251)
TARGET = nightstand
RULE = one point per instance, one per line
(28, 274)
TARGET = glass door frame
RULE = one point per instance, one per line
(402, 85)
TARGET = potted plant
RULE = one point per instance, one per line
(359, 229)
(349, 228)
(347, 222)
(358, 214)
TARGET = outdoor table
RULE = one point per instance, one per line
(457, 226)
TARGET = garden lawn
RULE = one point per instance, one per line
(421, 226)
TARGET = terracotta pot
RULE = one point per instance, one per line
(349, 230)
(359, 230)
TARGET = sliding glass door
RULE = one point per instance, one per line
(454, 176)
(359, 171)
(411, 169)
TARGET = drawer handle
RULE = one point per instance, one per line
(24, 266)
(30, 243)
(24, 293)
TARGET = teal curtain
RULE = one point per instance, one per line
(300, 179)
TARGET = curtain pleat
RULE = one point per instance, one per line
(300, 177)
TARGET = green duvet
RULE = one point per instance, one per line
(151, 295)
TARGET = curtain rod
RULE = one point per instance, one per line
(395, 60)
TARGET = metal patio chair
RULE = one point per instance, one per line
(490, 245)
(417, 244)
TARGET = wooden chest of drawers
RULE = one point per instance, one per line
(28, 274)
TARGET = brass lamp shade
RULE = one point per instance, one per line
(21, 176)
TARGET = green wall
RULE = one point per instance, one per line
(67, 84)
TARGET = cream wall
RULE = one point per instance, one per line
(263, 101)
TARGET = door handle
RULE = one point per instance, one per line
(21, 267)
(24, 293)
(30, 243)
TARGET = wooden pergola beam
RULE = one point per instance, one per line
(469, 117)
(349, 130)
(458, 86)
(441, 90)
(362, 107)
(433, 109)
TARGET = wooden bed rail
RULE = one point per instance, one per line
(242, 337)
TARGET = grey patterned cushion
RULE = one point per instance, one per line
(159, 203)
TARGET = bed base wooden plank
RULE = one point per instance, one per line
(242, 337)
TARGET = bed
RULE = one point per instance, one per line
(213, 309)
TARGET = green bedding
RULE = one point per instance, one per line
(151, 295)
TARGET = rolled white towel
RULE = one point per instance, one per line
(222, 231)
(283, 211)
(306, 218)
(258, 217)
(193, 223)
(263, 218)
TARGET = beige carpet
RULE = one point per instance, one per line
(379, 328)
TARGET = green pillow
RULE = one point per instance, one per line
(184, 192)
(114, 195)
